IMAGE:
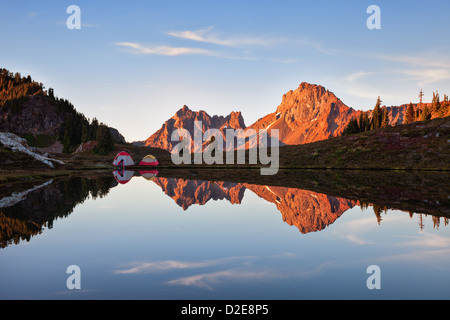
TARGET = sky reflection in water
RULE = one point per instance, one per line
(178, 239)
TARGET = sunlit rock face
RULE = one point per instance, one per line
(309, 113)
(186, 119)
(307, 210)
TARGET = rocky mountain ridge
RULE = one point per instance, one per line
(185, 118)
(308, 114)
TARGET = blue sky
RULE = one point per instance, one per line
(133, 64)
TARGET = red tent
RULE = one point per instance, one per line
(123, 159)
(149, 174)
(123, 177)
(149, 161)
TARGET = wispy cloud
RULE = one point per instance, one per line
(423, 69)
(355, 230)
(428, 240)
(206, 36)
(357, 76)
(248, 273)
(245, 268)
(229, 47)
(416, 60)
(360, 84)
(426, 76)
(318, 270)
(313, 44)
(166, 265)
(423, 255)
(285, 61)
(149, 267)
(206, 280)
(139, 48)
(32, 14)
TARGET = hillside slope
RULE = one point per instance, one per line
(31, 112)
(420, 145)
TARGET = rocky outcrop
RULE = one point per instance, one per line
(37, 116)
(117, 137)
(17, 144)
(185, 118)
(40, 115)
(310, 113)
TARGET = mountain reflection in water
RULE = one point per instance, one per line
(30, 209)
(308, 211)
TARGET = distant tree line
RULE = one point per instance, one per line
(15, 89)
(380, 116)
(75, 129)
(379, 119)
(424, 112)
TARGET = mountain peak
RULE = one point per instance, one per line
(309, 86)
(185, 109)
(185, 118)
(235, 120)
(307, 95)
(307, 114)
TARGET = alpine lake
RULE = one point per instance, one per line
(174, 234)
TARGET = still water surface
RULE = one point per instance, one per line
(168, 238)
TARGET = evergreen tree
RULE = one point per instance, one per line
(410, 114)
(418, 113)
(376, 116)
(85, 132)
(14, 90)
(443, 111)
(361, 122)
(424, 114)
(436, 103)
(105, 141)
(352, 127)
(93, 129)
(67, 136)
(384, 118)
(364, 122)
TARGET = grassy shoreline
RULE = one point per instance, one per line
(22, 175)
(416, 147)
